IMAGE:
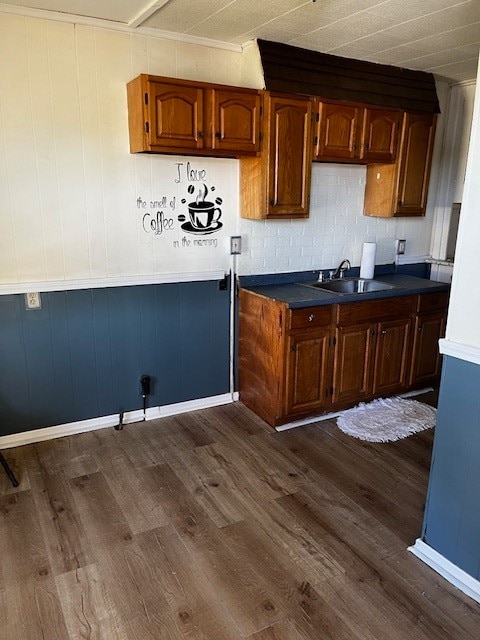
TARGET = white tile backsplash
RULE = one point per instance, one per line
(336, 229)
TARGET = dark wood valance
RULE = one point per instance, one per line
(294, 70)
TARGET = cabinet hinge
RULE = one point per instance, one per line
(308, 199)
(261, 111)
(315, 140)
(317, 117)
(147, 127)
(145, 97)
(294, 347)
(333, 341)
(260, 136)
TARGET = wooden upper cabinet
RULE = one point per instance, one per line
(175, 116)
(234, 117)
(401, 189)
(381, 130)
(339, 127)
(289, 144)
(356, 133)
(277, 183)
(415, 162)
(166, 115)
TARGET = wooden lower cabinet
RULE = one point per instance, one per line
(371, 359)
(353, 363)
(391, 356)
(308, 366)
(429, 328)
(299, 362)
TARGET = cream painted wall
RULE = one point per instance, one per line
(464, 313)
(68, 184)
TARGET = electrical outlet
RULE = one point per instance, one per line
(33, 300)
(401, 247)
(235, 245)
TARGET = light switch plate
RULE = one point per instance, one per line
(401, 247)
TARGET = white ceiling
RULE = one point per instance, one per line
(441, 36)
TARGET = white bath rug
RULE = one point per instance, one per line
(385, 420)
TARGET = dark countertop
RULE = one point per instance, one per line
(296, 296)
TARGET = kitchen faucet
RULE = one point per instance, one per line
(340, 270)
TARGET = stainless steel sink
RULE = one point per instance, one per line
(350, 285)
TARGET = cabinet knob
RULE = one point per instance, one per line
(372, 332)
(218, 135)
(294, 347)
(311, 317)
(384, 333)
(420, 329)
(200, 134)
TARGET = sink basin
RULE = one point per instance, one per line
(351, 285)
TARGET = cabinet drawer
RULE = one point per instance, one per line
(309, 317)
(432, 302)
(375, 310)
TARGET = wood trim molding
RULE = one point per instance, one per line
(146, 12)
(57, 16)
(102, 283)
(447, 569)
(103, 422)
(458, 350)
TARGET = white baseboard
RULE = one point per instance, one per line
(304, 421)
(453, 574)
(335, 414)
(48, 433)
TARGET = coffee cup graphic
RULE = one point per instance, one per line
(203, 214)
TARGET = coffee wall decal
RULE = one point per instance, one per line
(190, 206)
(204, 215)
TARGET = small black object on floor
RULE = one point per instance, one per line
(8, 471)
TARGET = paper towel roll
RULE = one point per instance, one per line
(367, 266)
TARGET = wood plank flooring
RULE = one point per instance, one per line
(210, 526)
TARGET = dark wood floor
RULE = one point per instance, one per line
(210, 526)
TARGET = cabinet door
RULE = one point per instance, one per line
(429, 329)
(175, 116)
(234, 121)
(415, 162)
(307, 371)
(338, 131)
(290, 155)
(352, 375)
(381, 131)
(391, 352)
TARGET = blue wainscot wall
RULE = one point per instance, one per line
(452, 516)
(82, 354)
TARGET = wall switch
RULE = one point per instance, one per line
(401, 247)
(33, 300)
(235, 245)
